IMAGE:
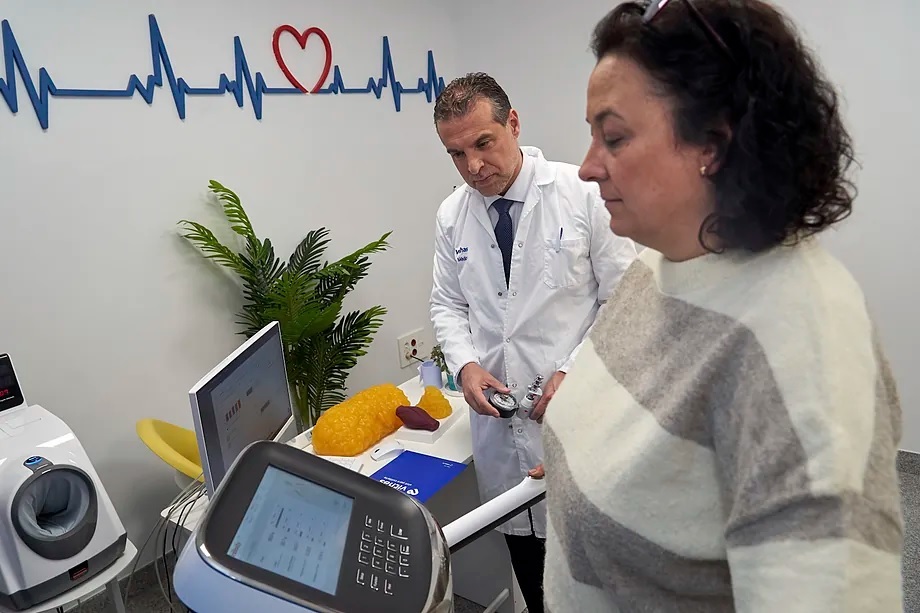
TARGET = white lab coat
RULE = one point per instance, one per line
(535, 324)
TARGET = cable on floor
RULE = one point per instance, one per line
(184, 504)
(181, 498)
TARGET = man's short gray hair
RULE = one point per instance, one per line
(461, 94)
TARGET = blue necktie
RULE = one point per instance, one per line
(504, 233)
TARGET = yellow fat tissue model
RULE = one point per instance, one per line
(355, 425)
(434, 403)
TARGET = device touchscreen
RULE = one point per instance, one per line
(295, 528)
(10, 393)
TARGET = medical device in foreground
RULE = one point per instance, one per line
(58, 527)
(289, 532)
(507, 404)
(533, 394)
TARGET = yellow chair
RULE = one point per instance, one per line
(174, 445)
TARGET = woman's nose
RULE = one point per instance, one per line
(592, 167)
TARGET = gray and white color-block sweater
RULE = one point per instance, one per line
(727, 441)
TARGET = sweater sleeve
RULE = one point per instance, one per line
(806, 435)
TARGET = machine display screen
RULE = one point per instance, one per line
(251, 403)
(10, 394)
(295, 528)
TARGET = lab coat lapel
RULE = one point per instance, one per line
(543, 175)
(481, 212)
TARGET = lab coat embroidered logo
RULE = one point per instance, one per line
(462, 253)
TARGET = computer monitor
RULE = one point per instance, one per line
(245, 398)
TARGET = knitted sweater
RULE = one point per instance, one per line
(726, 441)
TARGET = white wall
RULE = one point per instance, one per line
(109, 316)
(538, 50)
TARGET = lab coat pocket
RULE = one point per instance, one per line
(565, 263)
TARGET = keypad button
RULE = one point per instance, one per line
(378, 552)
(363, 558)
(391, 569)
(398, 533)
(404, 560)
(387, 587)
(404, 572)
(381, 527)
(368, 522)
(366, 547)
(361, 579)
(392, 557)
(404, 549)
(392, 546)
(377, 564)
(380, 541)
(365, 536)
(375, 582)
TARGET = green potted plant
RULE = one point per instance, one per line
(305, 295)
(437, 355)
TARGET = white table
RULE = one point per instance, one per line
(107, 578)
(481, 570)
(454, 444)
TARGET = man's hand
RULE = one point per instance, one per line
(474, 379)
(537, 473)
(549, 390)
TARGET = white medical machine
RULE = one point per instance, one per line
(288, 531)
(245, 398)
(58, 527)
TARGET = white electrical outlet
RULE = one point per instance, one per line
(414, 347)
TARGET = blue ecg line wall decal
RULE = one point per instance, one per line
(243, 81)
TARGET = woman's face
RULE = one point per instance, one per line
(651, 183)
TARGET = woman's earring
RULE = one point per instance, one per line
(702, 171)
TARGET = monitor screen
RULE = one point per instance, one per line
(295, 528)
(10, 394)
(253, 402)
(244, 400)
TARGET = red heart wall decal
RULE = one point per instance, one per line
(302, 38)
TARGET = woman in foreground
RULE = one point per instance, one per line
(728, 438)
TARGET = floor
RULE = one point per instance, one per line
(909, 464)
(147, 597)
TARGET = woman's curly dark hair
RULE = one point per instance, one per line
(782, 169)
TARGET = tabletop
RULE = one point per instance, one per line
(455, 445)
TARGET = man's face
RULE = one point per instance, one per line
(485, 152)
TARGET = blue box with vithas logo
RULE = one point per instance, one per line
(417, 474)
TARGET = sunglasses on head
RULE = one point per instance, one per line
(656, 6)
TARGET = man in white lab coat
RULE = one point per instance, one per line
(524, 256)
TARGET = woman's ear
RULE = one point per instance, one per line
(713, 153)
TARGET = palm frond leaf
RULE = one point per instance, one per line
(353, 333)
(211, 247)
(292, 303)
(233, 209)
(308, 255)
(339, 278)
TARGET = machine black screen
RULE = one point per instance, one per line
(10, 393)
(295, 528)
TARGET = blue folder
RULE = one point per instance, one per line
(418, 475)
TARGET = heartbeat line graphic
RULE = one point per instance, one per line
(243, 82)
